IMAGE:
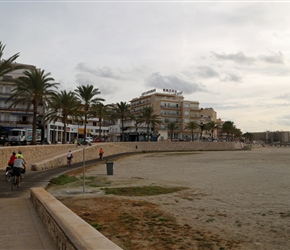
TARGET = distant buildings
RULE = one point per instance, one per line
(271, 137)
(169, 104)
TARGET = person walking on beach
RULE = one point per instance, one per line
(101, 153)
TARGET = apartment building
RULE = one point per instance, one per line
(21, 117)
(171, 106)
(271, 137)
(17, 116)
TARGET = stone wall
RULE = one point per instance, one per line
(41, 157)
(69, 231)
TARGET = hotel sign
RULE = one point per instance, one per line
(172, 91)
(149, 92)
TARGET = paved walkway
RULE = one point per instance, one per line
(21, 228)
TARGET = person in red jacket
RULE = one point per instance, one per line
(11, 161)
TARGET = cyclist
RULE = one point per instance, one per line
(17, 168)
(21, 156)
(69, 157)
(11, 162)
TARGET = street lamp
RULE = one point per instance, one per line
(84, 168)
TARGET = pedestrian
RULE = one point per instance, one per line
(101, 153)
(69, 158)
(17, 168)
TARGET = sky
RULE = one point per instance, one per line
(232, 56)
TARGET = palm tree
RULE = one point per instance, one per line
(248, 136)
(33, 88)
(172, 126)
(211, 126)
(121, 111)
(228, 128)
(8, 65)
(148, 117)
(201, 127)
(100, 111)
(86, 95)
(192, 126)
(62, 106)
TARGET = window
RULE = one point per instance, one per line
(186, 112)
(186, 120)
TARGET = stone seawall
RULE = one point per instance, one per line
(68, 230)
(41, 157)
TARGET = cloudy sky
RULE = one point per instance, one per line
(231, 56)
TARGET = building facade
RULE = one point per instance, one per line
(171, 106)
(21, 117)
(17, 116)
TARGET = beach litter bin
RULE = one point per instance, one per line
(110, 168)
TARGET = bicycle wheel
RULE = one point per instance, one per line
(13, 182)
(8, 176)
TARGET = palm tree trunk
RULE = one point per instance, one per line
(34, 124)
(122, 129)
(100, 127)
(85, 126)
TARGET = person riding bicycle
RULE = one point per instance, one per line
(17, 168)
(69, 157)
(21, 156)
(11, 161)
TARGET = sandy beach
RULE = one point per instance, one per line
(239, 196)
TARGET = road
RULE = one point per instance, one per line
(40, 178)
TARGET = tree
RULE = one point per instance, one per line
(8, 65)
(248, 137)
(33, 88)
(201, 127)
(228, 128)
(100, 111)
(62, 106)
(211, 126)
(86, 95)
(192, 126)
(121, 111)
(148, 117)
(172, 126)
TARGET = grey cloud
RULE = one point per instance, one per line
(238, 57)
(105, 86)
(104, 72)
(284, 120)
(285, 96)
(274, 57)
(157, 80)
(207, 72)
(230, 78)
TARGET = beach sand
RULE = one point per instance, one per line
(233, 200)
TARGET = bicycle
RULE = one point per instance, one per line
(14, 179)
(14, 182)
(8, 174)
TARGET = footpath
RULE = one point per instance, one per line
(21, 228)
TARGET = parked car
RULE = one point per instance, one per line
(89, 139)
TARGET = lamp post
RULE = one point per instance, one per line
(84, 168)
